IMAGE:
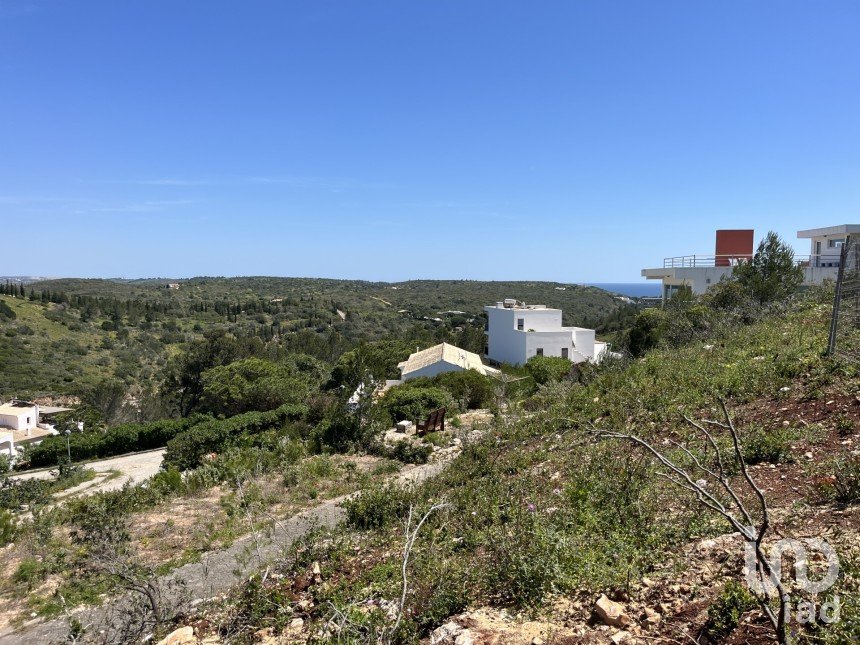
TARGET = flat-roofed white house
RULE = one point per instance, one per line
(825, 244)
(20, 425)
(516, 332)
(700, 271)
(19, 415)
(442, 358)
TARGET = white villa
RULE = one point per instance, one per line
(19, 415)
(699, 272)
(516, 332)
(442, 358)
(21, 424)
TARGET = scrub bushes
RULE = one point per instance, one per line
(129, 437)
(410, 403)
(187, 448)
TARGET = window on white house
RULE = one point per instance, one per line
(521, 323)
(564, 352)
(539, 351)
(836, 242)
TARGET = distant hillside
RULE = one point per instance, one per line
(422, 297)
(67, 332)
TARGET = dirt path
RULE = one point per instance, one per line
(133, 468)
(217, 572)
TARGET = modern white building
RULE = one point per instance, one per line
(826, 243)
(700, 271)
(442, 358)
(516, 332)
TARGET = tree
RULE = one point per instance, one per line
(771, 275)
(252, 384)
(647, 330)
(184, 377)
(378, 361)
(107, 397)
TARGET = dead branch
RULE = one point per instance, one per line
(734, 511)
(411, 535)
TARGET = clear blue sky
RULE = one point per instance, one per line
(571, 141)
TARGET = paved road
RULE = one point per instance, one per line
(216, 573)
(135, 468)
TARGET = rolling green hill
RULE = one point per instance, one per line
(65, 333)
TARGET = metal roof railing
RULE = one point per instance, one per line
(695, 261)
(709, 261)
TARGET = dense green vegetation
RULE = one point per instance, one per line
(62, 335)
(542, 507)
(538, 505)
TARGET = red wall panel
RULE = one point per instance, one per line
(732, 244)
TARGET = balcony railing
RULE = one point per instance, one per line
(696, 261)
(708, 261)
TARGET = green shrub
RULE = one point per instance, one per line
(436, 439)
(8, 527)
(167, 483)
(647, 331)
(768, 446)
(377, 507)
(129, 437)
(409, 453)
(725, 614)
(840, 479)
(319, 467)
(187, 448)
(469, 388)
(16, 492)
(524, 561)
(410, 403)
(548, 369)
(30, 572)
(387, 467)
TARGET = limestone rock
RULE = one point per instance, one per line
(465, 638)
(651, 617)
(611, 613)
(445, 633)
(181, 636)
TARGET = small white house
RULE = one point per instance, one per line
(516, 332)
(19, 415)
(23, 423)
(442, 358)
(20, 426)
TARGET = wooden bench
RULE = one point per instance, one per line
(435, 421)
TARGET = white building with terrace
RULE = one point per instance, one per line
(700, 271)
(23, 423)
(517, 331)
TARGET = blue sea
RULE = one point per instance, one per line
(631, 289)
